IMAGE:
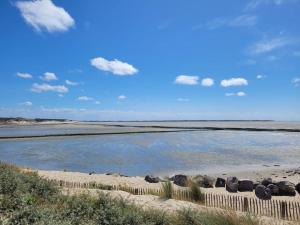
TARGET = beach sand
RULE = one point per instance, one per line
(277, 174)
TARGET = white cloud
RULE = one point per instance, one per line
(71, 83)
(97, 102)
(24, 75)
(255, 3)
(122, 97)
(207, 82)
(270, 45)
(183, 99)
(240, 21)
(49, 76)
(84, 98)
(239, 94)
(187, 80)
(234, 82)
(27, 103)
(43, 15)
(296, 81)
(115, 66)
(259, 76)
(46, 87)
(60, 95)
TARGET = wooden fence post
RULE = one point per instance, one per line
(245, 205)
(283, 207)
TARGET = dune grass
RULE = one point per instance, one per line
(167, 188)
(196, 193)
(26, 199)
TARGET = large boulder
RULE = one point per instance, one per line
(232, 184)
(298, 188)
(262, 192)
(180, 180)
(245, 185)
(266, 181)
(204, 181)
(286, 188)
(274, 189)
(220, 182)
(152, 179)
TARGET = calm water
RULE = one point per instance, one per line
(156, 153)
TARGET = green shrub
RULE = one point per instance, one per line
(8, 181)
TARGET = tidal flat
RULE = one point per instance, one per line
(144, 149)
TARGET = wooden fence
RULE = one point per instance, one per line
(288, 210)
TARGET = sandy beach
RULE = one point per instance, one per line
(277, 174)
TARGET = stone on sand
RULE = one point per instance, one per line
(232, 184)
(262, 192)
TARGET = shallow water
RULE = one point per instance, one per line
(156, 153)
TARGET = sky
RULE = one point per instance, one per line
(150, 60)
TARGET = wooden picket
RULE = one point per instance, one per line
(287, 210)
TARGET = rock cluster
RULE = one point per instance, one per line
(263, 190)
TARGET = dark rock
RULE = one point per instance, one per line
(286, 188)
(114, 174)
(180, 180)
(245, 185)
(262, 192)
(204, 181)
(232, 184)
(90, 173)
(298, 188)
(266, 181)
(152, 179)
(220, 182)
(274, 189)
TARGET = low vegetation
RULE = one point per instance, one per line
(27, 199)
(167, 189)
(196, 194)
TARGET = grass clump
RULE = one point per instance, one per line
(26, 199)
(167, 188)
(196, 193)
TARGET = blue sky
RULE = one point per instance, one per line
(134, 60)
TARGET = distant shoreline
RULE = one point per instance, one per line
(177, 129)
(121, 128)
